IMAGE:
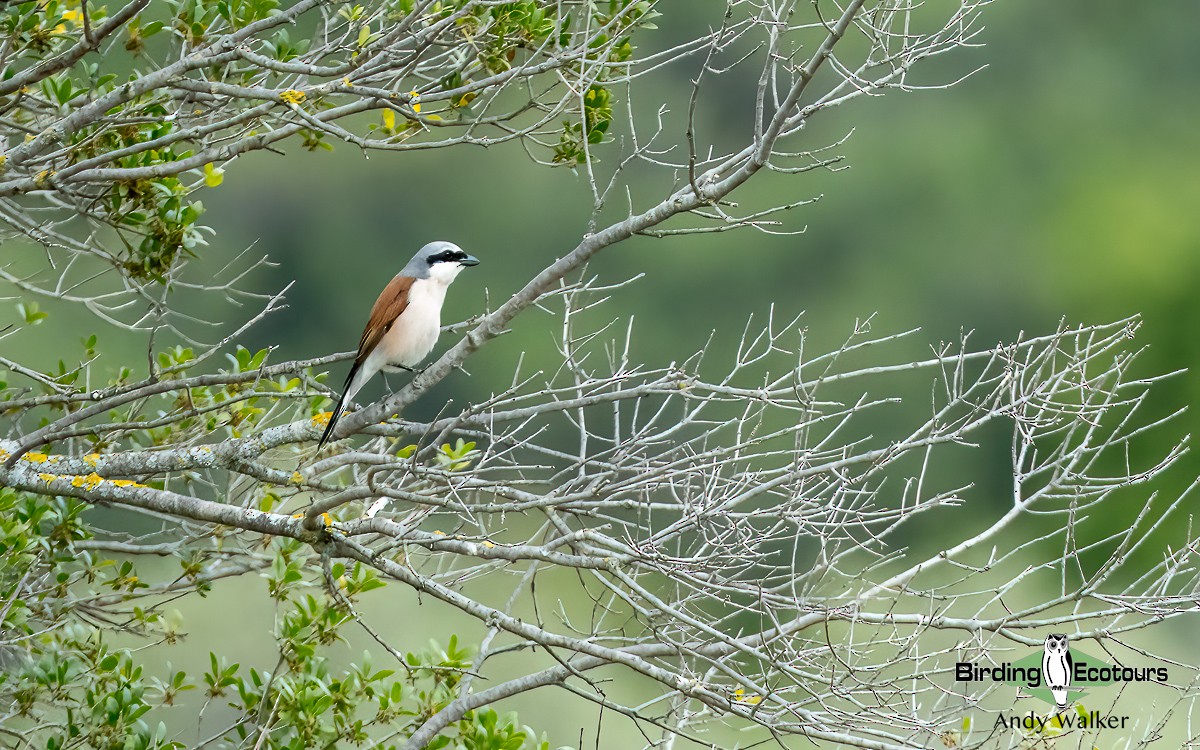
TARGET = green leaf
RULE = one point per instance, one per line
(29, 311)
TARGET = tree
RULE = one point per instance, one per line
(721, 534)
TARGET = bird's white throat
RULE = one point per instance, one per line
(444, 273)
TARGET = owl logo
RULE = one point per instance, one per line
(1056, 668)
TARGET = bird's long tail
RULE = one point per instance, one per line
(348, 391)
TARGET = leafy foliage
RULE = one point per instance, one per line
(127, 139)
(65, 682)
(66, 677)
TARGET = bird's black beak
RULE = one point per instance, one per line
(470, 260)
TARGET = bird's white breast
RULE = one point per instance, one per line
(412, 336)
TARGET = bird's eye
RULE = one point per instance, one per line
(447, 255)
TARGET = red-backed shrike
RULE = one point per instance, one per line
(405, 321)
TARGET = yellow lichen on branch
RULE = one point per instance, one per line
(87, 481)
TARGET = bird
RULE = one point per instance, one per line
(1056, 668)
(405, 321)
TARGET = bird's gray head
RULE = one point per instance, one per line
(440, 261)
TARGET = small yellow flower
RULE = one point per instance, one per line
(292, 96)
(296, 478)
(213, 176)
(322, 419)
(346, 81)
(740, 696)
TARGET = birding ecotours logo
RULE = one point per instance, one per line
(1060, 676)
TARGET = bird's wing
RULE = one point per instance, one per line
(392, 301)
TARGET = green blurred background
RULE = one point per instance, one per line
(1060, 182)
(1057, 183)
